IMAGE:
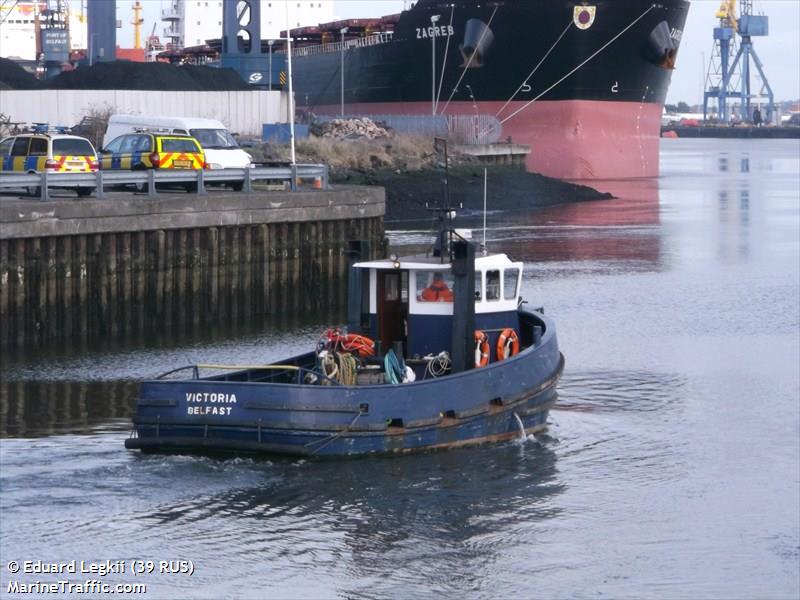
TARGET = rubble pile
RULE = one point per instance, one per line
(349, 129)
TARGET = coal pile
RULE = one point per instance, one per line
(349, 129)
(14, 77)
(125, 75)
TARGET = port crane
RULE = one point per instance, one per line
(723, 80)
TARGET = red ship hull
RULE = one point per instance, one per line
(569, 139)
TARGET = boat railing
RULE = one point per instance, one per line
(237, 370)
(373, 39)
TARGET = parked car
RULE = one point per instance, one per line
(152, 150)
(48, 151)
(220, 147)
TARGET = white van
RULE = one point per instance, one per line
(219, 146)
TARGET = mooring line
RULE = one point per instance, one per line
(444, 60)
(536, 68)
(603, 47)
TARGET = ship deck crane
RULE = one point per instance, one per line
(722, 70)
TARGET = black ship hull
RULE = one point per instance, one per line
(583, 85)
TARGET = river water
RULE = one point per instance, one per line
(671, 467)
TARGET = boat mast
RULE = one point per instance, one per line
(291, 92)
(483, 246)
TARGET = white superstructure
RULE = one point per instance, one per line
(192, 22)
(18, 28)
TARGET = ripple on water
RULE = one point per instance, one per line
(620, 391)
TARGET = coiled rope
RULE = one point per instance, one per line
(395, 369)
(348, 368)
(437, 366)
(339, 366)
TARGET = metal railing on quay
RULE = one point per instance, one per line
(95, 184)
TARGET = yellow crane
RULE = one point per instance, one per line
(727, 14)
(137, 24)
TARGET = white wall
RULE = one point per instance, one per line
(243, 112)
(202, 19)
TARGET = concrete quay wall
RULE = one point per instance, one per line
(83, 269)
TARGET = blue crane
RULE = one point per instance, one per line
(722, 72)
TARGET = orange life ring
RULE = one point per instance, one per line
(481, 349)
(507, 344)
(360, 344)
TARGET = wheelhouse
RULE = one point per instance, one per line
(409, 303)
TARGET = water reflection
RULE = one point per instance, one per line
(69, 388)
(621, 230)
(35, 408)
(405, 515)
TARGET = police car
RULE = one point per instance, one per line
(153, 150)
(48, 150)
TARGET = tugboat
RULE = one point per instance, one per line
(439, 352)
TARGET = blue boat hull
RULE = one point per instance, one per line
(240, 414)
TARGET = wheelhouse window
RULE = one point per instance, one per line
(493, 285)
(478, 286)
(510, 280)
(392, 287)
(434, 286)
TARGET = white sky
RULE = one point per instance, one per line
(779, 52)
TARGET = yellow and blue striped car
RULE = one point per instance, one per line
(34, 153)
(152, 151)
(54, 153)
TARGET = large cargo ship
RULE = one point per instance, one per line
(582, 83)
